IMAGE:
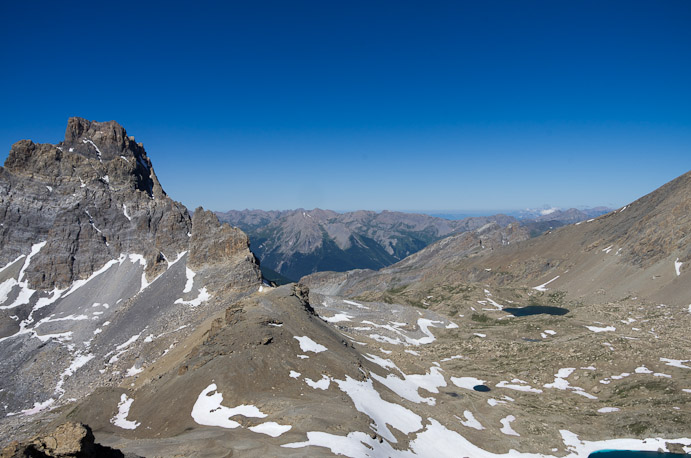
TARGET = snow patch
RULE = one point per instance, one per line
(368, 401)
(208, 411)
(134, 370)
(270, 428)
(25, 293)
(202, 297)
(506, 426)
(466, 382)
(307, 344)
(321, 384)
(190, 280)
(605, 329)
(561, 383)
(408, 387)
(608, 409)
(79, 361)
(542, 286)
(470, 421)
(120, 419)
(338, 318)
(518, 385)
(676, 362)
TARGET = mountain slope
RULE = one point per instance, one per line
(631, 251)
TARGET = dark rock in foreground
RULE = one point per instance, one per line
(66, 441)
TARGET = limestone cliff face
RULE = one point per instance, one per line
(93, 205)
(91, 197)
(222, 252)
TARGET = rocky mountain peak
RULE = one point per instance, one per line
(89, 198)
(91, 152)
(107, 139)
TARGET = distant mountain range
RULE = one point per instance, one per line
(295, 243)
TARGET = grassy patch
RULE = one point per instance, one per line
(557, 297)
(481, 318)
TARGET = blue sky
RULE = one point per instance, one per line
(400, 105)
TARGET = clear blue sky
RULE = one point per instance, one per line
(400, 105)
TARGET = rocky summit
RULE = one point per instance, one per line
(98, 262)
(129, 328)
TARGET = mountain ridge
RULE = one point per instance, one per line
(296, 242)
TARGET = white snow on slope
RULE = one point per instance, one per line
(202, 297)
(360, 306)
(561, 383)
(605, 329)
(676, 362)
(381, 362)
(79, 283)
(86, 140)
(270, 428)
(368, 401)
(677, 267)
(439, 442)
(608, 409)
(408, 386)
(466, 382)
(321, 384)
(307, 344)
(120, 419)
(38, 407)
(189, 273)
(208, 410)
(134, 370)
(542, 286)
(79, 361)
(338, 318)
(471, 421)
(25, 293)
(518, 385)
(506, 426)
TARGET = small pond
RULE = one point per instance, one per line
(536, 310)
(482, 388)
(632, 454)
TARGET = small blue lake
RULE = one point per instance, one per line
(633, 454)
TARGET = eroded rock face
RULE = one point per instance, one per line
(95, 283)
(222, 252)
(90, 198)
(66, 441)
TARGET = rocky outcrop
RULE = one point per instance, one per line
(90, 198)
(94, 261)
(69, 440)
(222, 252)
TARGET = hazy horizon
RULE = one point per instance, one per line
(439, 213)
